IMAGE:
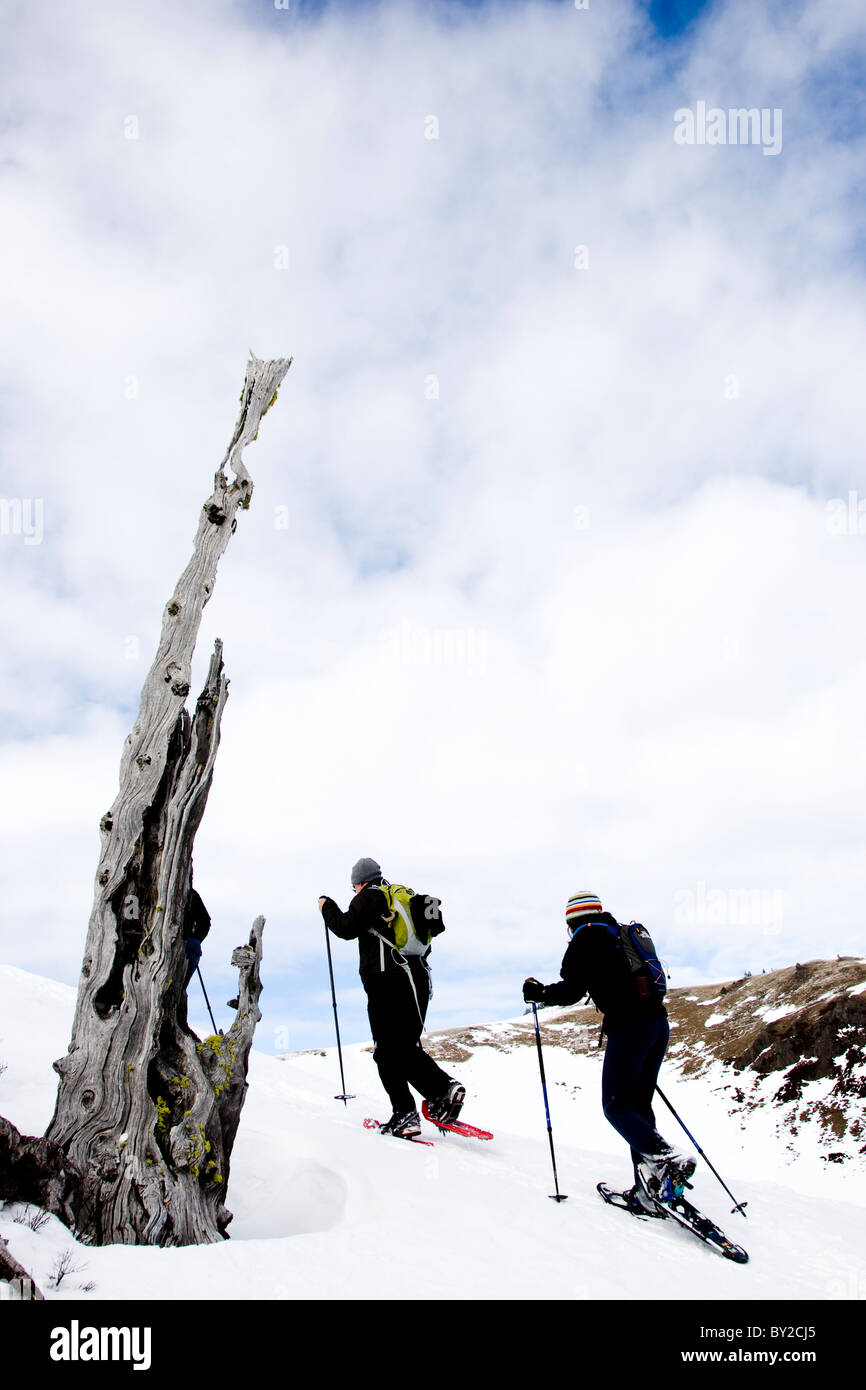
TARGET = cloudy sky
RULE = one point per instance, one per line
(555, 569)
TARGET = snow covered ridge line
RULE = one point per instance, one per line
(787, 1045)
(76, 1343)
(745, 1007)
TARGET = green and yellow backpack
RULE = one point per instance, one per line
(409, 921)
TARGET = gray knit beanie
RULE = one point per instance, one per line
(365, 871)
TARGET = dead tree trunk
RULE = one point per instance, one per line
(146, 1113)
(22, 1285)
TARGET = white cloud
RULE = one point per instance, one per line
(573, 619)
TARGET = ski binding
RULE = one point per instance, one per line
(409, 1138)
(457, 1127)
(685, 1215)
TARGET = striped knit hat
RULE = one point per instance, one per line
(581, 907)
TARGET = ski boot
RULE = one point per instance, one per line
(447, 1108)
(665, 1176)
(402, 1126)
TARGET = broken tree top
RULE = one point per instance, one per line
(146, 1113)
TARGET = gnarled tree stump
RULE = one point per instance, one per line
(146, 1112)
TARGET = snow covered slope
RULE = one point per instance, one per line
(327, 1210)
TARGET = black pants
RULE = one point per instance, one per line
(633, 1055)
(396, 1022)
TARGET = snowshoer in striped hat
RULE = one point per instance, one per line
(618, 968)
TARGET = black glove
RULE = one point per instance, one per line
(533, 991)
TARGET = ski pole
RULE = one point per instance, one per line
(342, 1097)
(739, 1206)
(557, 1196)
(207, 1001)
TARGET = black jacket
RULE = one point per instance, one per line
(594, 965)
(366, 915)
(196, 921)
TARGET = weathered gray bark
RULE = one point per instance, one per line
(34, 1170)
(145, 1112)
(11, 1272)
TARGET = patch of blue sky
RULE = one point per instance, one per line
(833, 97)
(697, 961)
(42, 563)
(296, 1005)
(670, 18)
(366, 551)
(56, 707)
(378, 561)
(297, 1008)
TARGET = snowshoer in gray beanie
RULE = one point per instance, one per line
(394, 927)
(366, 871)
